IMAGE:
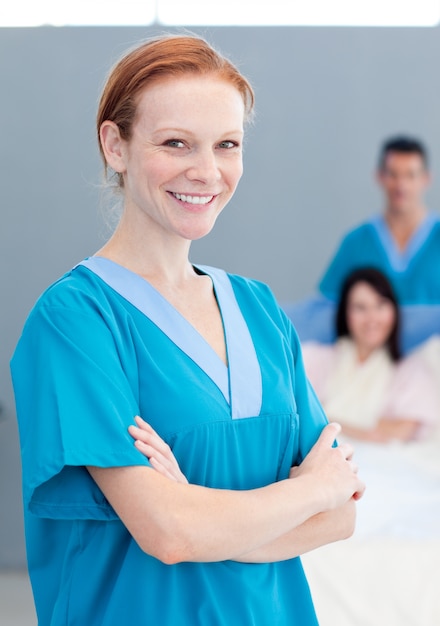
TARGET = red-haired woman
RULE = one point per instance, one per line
(207, 359)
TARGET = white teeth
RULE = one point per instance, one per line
(193, 199)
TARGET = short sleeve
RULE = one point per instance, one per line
(75, 398)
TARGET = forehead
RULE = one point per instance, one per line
(363, 291)
(403, 161)
(190, 98)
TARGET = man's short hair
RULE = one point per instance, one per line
(403, 145)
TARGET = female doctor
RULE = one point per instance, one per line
(207, 359)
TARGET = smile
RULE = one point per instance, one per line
(192, 199)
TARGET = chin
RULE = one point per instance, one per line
(402, 206)
(197, 231)
(376, 345)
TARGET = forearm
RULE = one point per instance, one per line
(193, 523)
(398, 429)
(385, 430)
(317, 531)
(175, 521)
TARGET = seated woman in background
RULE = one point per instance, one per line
(361, 380)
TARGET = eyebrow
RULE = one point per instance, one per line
(186, 131)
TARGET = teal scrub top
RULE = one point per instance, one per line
(414, 272)
(100, 346)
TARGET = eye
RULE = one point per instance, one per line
(227, 144)
(356, 307)
(174, 143)
(384, 303)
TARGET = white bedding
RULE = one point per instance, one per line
(388, 573)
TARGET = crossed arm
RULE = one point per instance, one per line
(314, 506)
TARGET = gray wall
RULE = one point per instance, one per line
(326, 98)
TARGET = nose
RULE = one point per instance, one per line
(204, 167)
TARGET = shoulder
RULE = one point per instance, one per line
(426, 355)
(418, 365)
(260, 307)
(79, 288)
(255, 296)
(414, 391)
(355, 240)
(319, 360)
(361, 231)
(77, 294)
(70, 290)
(245, 289)
(434, 221)
(253, 289)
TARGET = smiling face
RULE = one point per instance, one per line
(370, 318)
(183, 161)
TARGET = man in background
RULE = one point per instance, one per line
(403, 242)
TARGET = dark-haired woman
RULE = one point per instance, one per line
(361, 380)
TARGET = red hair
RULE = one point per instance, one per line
(162, 57)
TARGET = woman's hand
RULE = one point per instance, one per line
(333, 468)
(156, 450)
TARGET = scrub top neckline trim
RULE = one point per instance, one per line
(241, 382)
(401, 259)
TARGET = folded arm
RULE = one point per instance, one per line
(315, 532)
(175, 521)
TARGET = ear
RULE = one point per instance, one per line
(112, 146)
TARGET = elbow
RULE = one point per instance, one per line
(349, 529)
(173, 552)
(169, 545)
(345, 523)
(170, 556)
(167, 550)
(349, 521)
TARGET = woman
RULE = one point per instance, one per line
(361, 380)
(208, 360)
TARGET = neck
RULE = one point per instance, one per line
(363, 352)
(410, 218)
(403, 224)
(154, 255)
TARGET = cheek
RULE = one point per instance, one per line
(385, 323)
(234, 171)
(388, 319)
(355, 322)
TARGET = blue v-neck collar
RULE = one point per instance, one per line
(400, 259)
(241, 383)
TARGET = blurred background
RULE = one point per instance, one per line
(327, 95)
